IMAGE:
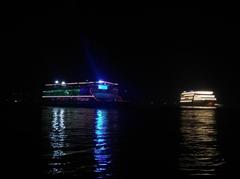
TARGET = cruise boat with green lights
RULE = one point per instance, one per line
(81, 93)
(198, 99)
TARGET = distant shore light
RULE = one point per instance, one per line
(100, 81)
(56, 82)
(63, 83)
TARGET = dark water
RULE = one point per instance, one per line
(120, 143)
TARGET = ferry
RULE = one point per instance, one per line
(82, 93)
(198, 99)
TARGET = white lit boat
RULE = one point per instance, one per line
(198, 99)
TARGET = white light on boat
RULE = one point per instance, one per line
(63, 83)
(205, 96)
(56, 82)
(203, 92)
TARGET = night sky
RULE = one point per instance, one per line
(154, 53)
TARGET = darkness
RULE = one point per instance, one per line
(154, 53)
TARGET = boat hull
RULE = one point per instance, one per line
(199, 105)
(90, 103)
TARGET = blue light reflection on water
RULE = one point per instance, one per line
(102, 152)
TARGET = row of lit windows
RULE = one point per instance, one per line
(63, 92)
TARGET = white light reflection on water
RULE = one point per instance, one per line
(57, 139)
(200, 153)
(102, 152)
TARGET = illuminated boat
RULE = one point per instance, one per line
(198, 99)
(81, 93)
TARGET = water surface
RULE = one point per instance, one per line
(121, 143)
(149, 142)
